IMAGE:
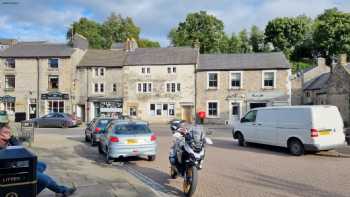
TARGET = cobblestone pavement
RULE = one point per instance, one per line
(230, 170)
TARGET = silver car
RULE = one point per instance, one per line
(124, 138)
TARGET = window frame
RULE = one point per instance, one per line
(217, 81)
(241, 80)
(217, 110)
(170, 85)
(169, 112)
(172, 69)
(10, 107)
(8, 63)
(49, 82)
(147, 87)
(274, 79)
(6, 82)
(145, 70)
(114, 87)
(50, 63)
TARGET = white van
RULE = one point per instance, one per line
(299, 128)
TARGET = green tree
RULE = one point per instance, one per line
(285, 33)
(332, 32)
(244, 46)
(90, 30)
(201, 27)
(234, 44)
(146, 43)
(256, 39)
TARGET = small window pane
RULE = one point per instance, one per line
(149, 87)
(102, 87)
(53, 63)
(169, 69)
(102, 72)
(178, 87)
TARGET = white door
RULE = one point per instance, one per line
(248, 126)
(235, 112)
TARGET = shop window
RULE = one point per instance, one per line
(10, 107)
(10, 82)
(213, 80)
(10, 63)
(53, 82)
(212, 109)
(55, 106)
(132, 111)
(162, 109)
(53, 62)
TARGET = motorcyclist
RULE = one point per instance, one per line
(183, 131)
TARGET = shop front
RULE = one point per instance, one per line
(55, 102)
(104, 107)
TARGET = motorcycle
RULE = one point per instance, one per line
(188, 157)
(175, 124)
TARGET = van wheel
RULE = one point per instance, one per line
(241, 141)
(295, 147)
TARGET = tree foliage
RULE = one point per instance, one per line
(114, 29)
(145, 43)
(332, 32)
(256, 39)
(199, 27)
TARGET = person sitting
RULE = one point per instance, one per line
(43, 180)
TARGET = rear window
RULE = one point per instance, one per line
(103, 123)
(131, 129)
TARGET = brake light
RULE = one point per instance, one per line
(97, 129)
(113, 139)
(314, 133)
(153, 138)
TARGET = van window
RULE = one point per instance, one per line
(250, 117)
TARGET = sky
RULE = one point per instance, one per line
(32, 20)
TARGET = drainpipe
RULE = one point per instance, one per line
(38, 88)
(87, 115)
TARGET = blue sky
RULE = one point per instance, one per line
(49, 20)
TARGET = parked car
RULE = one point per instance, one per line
(124, 138)
(55, 119)
(95, 128)
(299, 128)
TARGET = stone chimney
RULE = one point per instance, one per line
(130, 45)
(342, 59)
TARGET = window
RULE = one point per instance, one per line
(173, 87)
(269, 79)
(250, 117)
(99, 71)
(53, 62)
(307, 94)
(10, 63)
(114, 87)
(145, 70)
(10, 82)
(96, 87)
(213, 80)
(171, 69)
(96, 71)
(55, 106)
(162, 109)
(102, 87)
(132, 111)
(10, 107)
(53, 82)
(145, 87)
(236, 80)
(213, 109)
(102, 71)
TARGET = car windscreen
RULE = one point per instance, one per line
(103, 123)
(131, 129)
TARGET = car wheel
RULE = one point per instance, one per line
(241, 140)
(151, 157)
(295, 147)
(109, 160)
(93, 143)
(100, 149)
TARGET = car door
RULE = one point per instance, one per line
(266, 122)
(58, 120)
(248, 126)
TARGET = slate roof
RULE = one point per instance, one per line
(162, 56)
(37, 49)
(103, 58)
(318, 83)
(247, 61)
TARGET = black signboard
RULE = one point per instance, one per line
(54, 96)
(7, 99)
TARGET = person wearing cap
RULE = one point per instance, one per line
(43, 180)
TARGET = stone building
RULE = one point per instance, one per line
(229, 85)
(100, 75)
(159, 83)
(38, 78)
(338, 88)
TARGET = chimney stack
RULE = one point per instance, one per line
(342, 59)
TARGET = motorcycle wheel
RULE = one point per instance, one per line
(173, 173)
(190, 181)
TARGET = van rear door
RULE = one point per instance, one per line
(328, 123)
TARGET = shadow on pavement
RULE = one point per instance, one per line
(286, 186)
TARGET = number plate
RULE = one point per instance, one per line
(325, 132)
(131, 141)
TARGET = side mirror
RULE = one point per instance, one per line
(243, 120)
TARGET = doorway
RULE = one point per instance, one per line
(235, 112)
(187, 113)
